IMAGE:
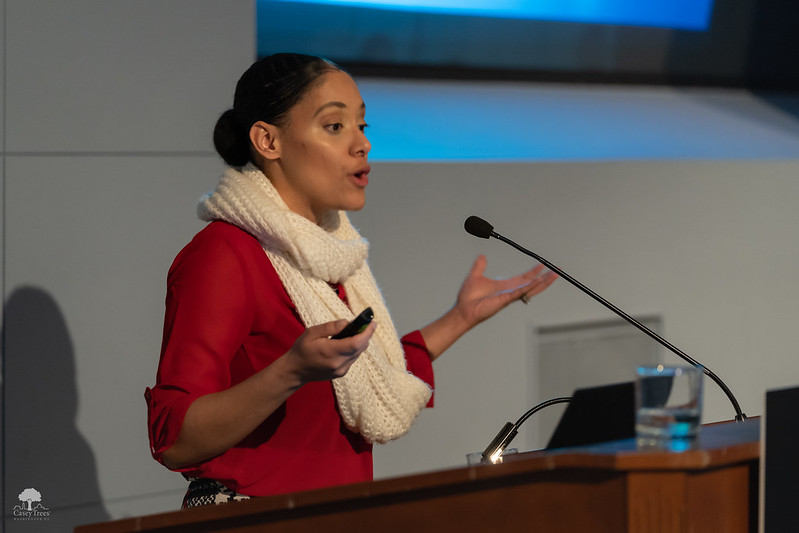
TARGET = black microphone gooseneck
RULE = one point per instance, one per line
(480, 228)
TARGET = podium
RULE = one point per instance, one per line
(609, 487)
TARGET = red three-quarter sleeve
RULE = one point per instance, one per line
(209, 312)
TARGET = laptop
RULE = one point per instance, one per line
(596, 414)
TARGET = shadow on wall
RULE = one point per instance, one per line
(44, 450)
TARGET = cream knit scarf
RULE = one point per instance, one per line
(377, 397)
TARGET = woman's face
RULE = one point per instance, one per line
(322, 151)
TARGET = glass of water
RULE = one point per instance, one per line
(668, 406)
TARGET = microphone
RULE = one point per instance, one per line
(480, 228)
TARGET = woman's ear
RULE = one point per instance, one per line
(263, 137)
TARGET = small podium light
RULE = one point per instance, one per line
(494, 450)
(496, 456)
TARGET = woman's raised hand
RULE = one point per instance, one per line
(481, 298)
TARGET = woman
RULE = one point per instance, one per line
(253, 397)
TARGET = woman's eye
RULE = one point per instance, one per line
(363, 127)
(335, 127)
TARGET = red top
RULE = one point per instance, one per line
(227, 317)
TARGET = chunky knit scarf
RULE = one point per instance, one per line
(377, 397)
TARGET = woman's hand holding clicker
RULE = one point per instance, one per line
(316, 357)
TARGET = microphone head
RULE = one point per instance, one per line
(478, 227)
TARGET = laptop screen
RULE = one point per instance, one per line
(597, 414)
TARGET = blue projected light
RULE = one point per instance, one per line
(677, 14)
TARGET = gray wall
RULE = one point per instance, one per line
(108, 108)
(107, 112)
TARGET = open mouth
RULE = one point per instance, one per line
(361, 177)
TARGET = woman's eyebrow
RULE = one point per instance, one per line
(341, 105)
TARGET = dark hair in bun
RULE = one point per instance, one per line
(266, 92)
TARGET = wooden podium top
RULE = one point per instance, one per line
(718, 444)
(589, 480)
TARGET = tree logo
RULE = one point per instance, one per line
(31, 507)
